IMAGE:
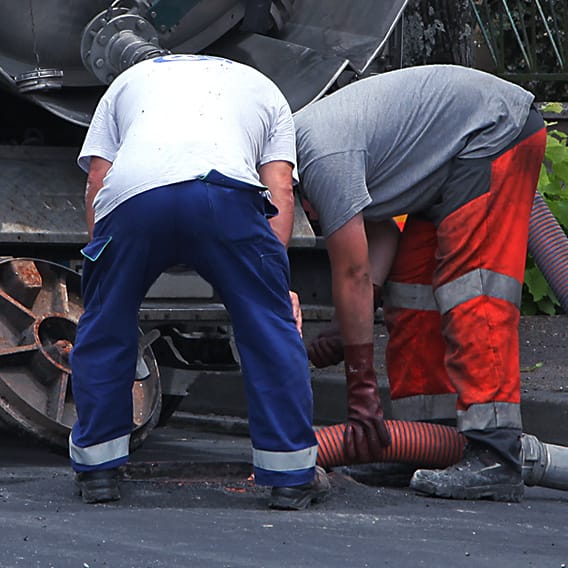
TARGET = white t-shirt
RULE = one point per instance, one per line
(177, 117)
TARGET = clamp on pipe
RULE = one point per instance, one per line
(544, 464)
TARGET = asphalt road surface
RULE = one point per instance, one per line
(188, 501)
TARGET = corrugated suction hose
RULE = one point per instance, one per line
(436, 446)
(548, 245)
(429, 445)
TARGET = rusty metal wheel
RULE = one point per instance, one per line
(40, 306)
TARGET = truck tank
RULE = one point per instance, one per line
(56, 59)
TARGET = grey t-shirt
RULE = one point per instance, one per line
(388, 140)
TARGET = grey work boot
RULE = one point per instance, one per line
(482, 474)
(298, 497)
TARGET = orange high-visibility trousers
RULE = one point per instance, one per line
(420, 388)
(452, 300)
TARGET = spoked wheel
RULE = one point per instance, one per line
(40, 306)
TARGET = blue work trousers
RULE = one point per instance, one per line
(222, 233)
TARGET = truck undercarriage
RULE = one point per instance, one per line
(55, 62)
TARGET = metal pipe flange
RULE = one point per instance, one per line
(115, 40)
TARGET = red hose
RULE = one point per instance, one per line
(429, 445)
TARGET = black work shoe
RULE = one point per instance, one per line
(482, 474)
(98, 486)
(298, 497)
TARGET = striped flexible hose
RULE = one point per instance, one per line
(548, 245)
(430, 445)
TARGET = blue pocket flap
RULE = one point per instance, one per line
(95, 248)
(270, 210)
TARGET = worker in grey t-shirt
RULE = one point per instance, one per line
(459, 151)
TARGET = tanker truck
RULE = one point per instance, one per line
(56, 59)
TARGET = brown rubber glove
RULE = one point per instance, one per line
(365, 432)
(327, 348)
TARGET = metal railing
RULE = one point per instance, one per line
(526, 39)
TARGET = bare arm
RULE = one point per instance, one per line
(277, 176)
(97, 171)
(365, 431)
(351, 281)
(383, 240)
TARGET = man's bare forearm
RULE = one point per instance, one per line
(277, 176)
(351, 282)
(95, 179)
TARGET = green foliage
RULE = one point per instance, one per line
(538, 298)
(437, 31)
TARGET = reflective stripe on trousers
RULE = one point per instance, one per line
(285, 461)
(466, 340)
(104, 453)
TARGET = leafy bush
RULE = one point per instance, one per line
(538, 298)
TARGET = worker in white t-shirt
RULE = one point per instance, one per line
(190, 161)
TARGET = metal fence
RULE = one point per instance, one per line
(526, 39)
